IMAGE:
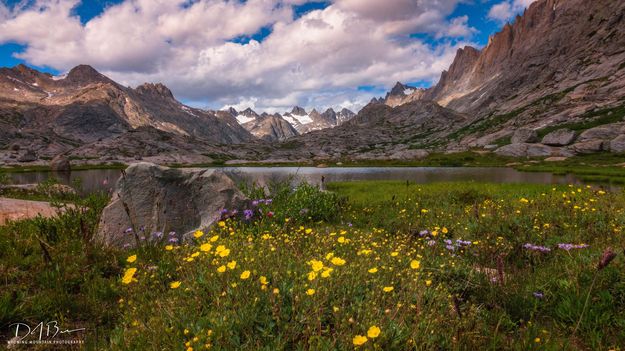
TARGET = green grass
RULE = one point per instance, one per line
(598, 168)
(51, 271)
(308, 271)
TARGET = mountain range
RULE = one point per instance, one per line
(279, 127)
(550, 84)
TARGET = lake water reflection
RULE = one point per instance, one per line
(105, 179)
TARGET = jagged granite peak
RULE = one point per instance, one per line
(344, 115)
(401, 89)
(233, 111)
(155, 89)
(248, 112)
(299, 111)
(271, 128)
(330, 116)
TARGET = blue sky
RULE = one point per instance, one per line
(240, 58)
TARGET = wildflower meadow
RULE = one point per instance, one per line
(363, 265)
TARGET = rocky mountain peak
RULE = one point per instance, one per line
(155, 90)
(248, 112)
(398, 89)
(299, 111)
(233, 111)
(85, 74)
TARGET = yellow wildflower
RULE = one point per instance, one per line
(337, 261)
(388, 289)
(373, 270)
(206, 247)
(221, 269)
(224, 253)
(414, 264)
(131, 259)
(232, 264)
(221, 224)
(128, 275)
(316, 265)
(214, 238)
(359, 340)
(198, 234)
(373, 332)
(245, 275)
(169, 247)
(174, 285)
(310, 292)
(326, 272)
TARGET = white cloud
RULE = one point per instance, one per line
(504, 11)
(316, 60)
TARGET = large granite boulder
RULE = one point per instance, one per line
(618, 144)
(524, 135)
(60, 163)
(417, 154)
(560, 137)
(604, 132)
(28, 156)
(588, 146)
(526, 150)
(151, 201)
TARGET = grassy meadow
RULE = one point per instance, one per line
(365, 265)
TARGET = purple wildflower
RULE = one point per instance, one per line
(255, 202)
(460, 242)
(450, 247)
(173, 240)
(248, 214)
(538, 294)
(128, 231)
(157, 235)
(447, 241)
(569, 247)
(538, 248)
(423, 233)
(431, 242)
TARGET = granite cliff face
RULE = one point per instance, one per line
(560, 63)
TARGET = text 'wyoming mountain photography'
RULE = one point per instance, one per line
(312, 175)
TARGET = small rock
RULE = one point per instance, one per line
(560, 137)
(556, 159)
(524, 135)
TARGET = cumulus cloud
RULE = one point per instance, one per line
(504, 11)
(318, 59)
